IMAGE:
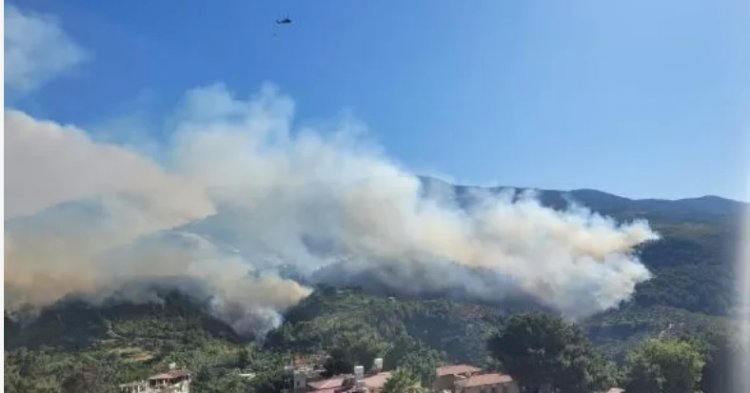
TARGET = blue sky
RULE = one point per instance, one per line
(633, 97)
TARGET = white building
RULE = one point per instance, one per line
(172, 381)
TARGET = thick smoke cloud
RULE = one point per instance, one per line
(87, 217)
(50, 164)
(241, 191)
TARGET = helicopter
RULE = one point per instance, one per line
(283, 21)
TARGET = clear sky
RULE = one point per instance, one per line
(639, 98)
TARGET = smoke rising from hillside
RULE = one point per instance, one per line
(240, 191)
(87, 217)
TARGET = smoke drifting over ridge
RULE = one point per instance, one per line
(239, 191)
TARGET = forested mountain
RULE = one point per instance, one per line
(691, 293)
(73, 342)
(693, 264)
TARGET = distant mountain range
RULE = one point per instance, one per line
(706, 208)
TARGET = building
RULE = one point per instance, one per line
(464, 378)
(455, 378)
(172, 381)
(350, 384)
(306, 379)
(134, 387)
(487, 383)
(447, 376)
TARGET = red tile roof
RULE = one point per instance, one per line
(484, 379)
(455, 369)
(335, 384)
(377, 381)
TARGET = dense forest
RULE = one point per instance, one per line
(77, 347)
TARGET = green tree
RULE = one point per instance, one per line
(410, 354)
(663, 367)
(402, 381)
(720, 352)
(545, 353)
(422, 365)
(218, 381)
(338, 362)
(90, 377)
(270, 382)
(243, 358)
(81, 381)
(353, 348)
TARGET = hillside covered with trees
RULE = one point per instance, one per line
(73, 346)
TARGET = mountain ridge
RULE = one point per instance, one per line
(591, 193)
(691, 289)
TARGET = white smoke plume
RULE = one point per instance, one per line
(240, 190)
(84, 217)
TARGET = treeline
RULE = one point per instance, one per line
(545, 353)
(456, 330)
(353, 328)
(93, 350)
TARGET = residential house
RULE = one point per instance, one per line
(448, 375)
(464, 378)
(350, 384)
(172, 381)
(487, 383)
(305, 380)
